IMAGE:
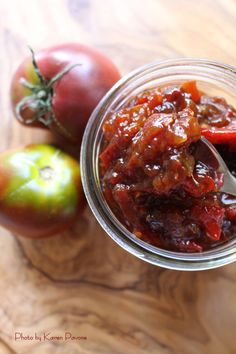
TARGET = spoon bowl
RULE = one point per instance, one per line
(208, 154)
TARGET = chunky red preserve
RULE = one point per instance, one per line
(151, 172)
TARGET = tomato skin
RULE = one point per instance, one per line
(221, 136)
(76, 93)
(40, 190)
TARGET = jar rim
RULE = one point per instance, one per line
(114, 228)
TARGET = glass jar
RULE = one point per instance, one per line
(212, 77)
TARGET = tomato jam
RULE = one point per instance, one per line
(152, 175)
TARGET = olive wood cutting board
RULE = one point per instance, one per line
(82, 282)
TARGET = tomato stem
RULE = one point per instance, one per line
(27, 84)
(47, 173)
(40, 99)
(60, 74)
(36, 68)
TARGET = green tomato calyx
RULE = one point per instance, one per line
(40, 99)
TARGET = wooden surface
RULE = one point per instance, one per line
(82, 282)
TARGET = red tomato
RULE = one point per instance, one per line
(59, 87)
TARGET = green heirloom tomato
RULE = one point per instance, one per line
(40, 190)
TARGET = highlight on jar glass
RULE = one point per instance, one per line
(148, 181)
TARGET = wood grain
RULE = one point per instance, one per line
(82, 282)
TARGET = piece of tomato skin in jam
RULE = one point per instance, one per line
(151, 176)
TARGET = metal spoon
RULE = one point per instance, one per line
(208, 154)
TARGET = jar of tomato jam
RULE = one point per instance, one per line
(140, 173)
